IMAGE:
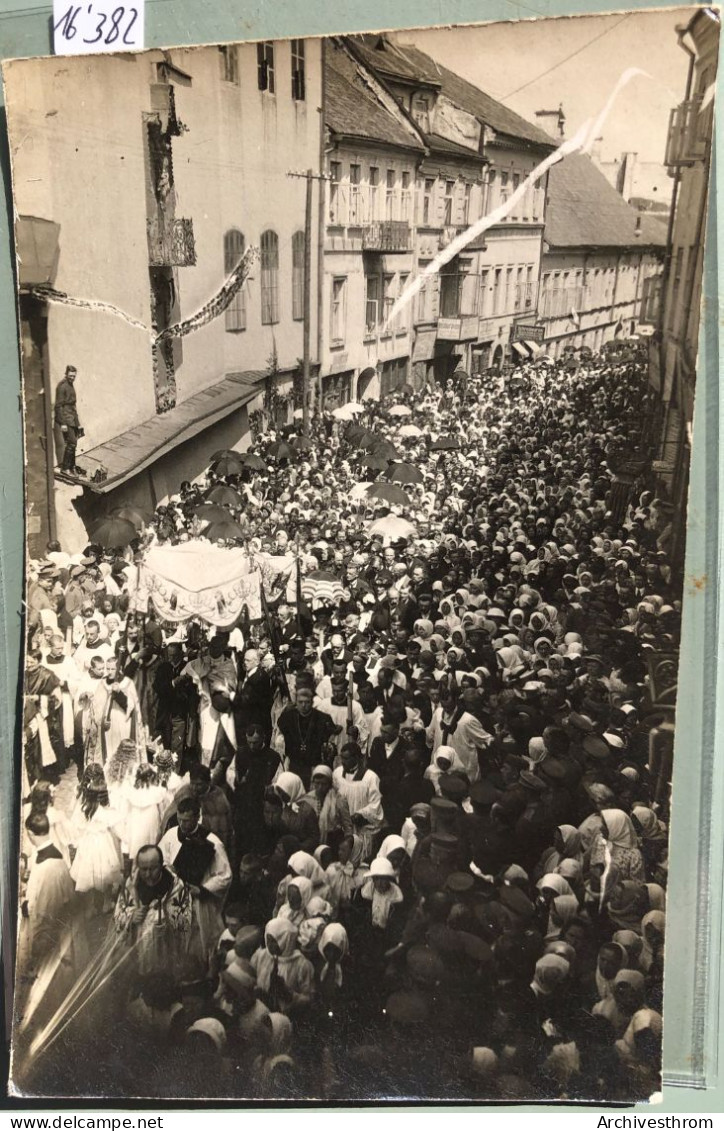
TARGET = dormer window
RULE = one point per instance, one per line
(420, 110)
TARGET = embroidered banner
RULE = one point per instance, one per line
(198, 579)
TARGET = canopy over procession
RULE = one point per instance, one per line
(345, 773)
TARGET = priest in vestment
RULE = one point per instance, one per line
(199, 858)
(154, 912)
(117, 712)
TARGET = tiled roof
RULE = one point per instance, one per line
(584, 210)
(354, 109)
(409, 63)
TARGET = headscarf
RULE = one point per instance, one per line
(555, 883)
(305, 889)
(571, 838)
(642, 1019)
(605, 985)
(657, 920)
(302, 864)
(391, 844)
(632, 943)
(550, 972)
(652, 828)
(285, 934)
(620, 831)
(333, 933)
(344, 879)
(627, 904)
(565, 908)
(281, 1033)
(293, 786)
(382, 902)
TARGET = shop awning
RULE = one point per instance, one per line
(133, 451)
(36, 242)
(534, 348)
(520, 349)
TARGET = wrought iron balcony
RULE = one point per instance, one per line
(387, 235)
(171, 244)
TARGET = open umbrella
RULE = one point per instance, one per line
(371, 459)
(444, 444)
(355, 432)
(400, 410)
(321, 585)
(224, 496)
(404, 473)
(347, 411)
(298, 414)
(358, 492)
(280, 450)
(302, 444)
(410, 430)
(231, 464)
(113, 533)
(386, 450)
(391, 493)
(224, 529)
(369, 440)
(138, 517)
(224, 453)
(392, 527)
(253, 462)
(211, 512)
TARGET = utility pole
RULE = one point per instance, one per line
(310, 176)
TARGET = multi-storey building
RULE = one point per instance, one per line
(373, 153)
(673, 356)
(477, 153)
(153, 198)
(601, 267)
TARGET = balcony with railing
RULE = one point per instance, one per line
(387, 235)
(688, 134)
(171, 244)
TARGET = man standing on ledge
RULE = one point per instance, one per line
(67, 425)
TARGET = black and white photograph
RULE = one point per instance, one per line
(358, 392)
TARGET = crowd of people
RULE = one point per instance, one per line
(405, 835)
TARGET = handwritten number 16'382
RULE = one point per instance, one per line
(66, 25)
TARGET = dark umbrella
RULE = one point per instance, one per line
(253, 462)
(211, 512)
(404, 473)
(114, 533)
(444, 444)
(355, 432)
(302, 444)
(132, 514)
(386, 450)
(377, 463)
(280, 450)
(226, 529)
(391, 493)
(224, 453)
(224, 496)
(228, 465)
(369, 440)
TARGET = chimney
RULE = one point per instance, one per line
(596, 156)
(554, 121)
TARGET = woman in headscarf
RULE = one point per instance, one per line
(653, 839)
(628, 994)
(446, 760)
(616, 845)
(346, 875)
(653, 933)
(633, 944)
(298, 818)
(319, 913)
(563, 910)
(393, 850)
(285, 978)
(627, 904)
(298, 893)
(639, 1050)
(566, 846)
(416, 827)
(329, 806)
(375, 926)
(612, 958)
(549, 985)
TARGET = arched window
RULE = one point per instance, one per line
(298, 276)
(235, 314)
(269, 278)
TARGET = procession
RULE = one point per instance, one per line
(343, 770)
